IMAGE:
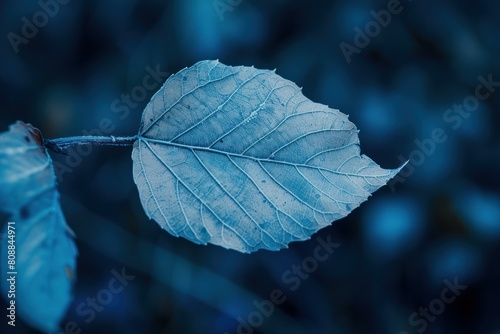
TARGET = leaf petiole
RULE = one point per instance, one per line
(59, 144)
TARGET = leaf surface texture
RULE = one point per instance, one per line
(239, 157)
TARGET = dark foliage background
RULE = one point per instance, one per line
(396, 250)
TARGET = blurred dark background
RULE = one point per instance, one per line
(438, 224)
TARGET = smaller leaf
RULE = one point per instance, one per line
(44, 248)
(25, 170)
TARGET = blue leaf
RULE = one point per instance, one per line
(25, 170)
(239, 157)
(44, 249)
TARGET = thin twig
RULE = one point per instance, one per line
(59, 144)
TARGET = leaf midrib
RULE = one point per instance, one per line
(230, 154)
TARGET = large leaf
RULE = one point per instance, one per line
(44, 248)
(239, 157)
